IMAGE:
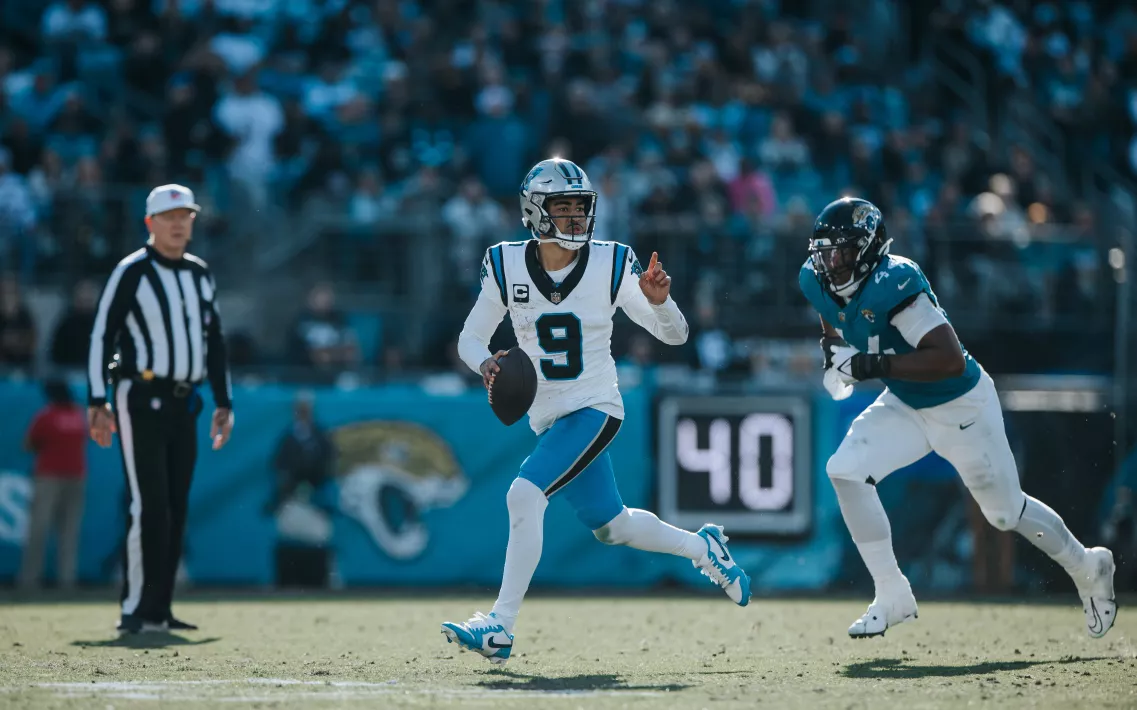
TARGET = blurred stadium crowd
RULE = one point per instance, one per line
(713, 129)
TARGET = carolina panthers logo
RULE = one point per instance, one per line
(866, 217)
(390, 473)
(529, 178)
(636, 268)
(484, 274)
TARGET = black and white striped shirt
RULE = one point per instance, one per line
(161, 315)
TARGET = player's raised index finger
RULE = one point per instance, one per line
(654, 260)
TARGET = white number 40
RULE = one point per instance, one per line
(715, 460)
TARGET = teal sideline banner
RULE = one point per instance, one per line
(417, 498)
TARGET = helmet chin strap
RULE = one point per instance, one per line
(571, 246)
(561, 240)
(848, 288)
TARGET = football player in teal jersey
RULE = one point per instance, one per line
(881, 320)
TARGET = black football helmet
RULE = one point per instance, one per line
(849, 240)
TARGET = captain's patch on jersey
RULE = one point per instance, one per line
(636, 268)
(484, 273)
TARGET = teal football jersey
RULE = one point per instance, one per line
(865, 323)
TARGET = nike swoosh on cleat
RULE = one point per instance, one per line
(492, 644)
(724, 557)
(1098, 623)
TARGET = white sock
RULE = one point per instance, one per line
(869, 528)
(642, 530)
(526, 503)
(881, 561)
(1048, 532)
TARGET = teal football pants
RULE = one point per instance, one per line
(572, 457)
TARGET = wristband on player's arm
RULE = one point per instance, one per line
(869, 367)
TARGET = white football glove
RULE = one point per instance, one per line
(838, 385)
(841, 357)
(838, 378)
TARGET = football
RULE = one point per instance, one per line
(514, 387)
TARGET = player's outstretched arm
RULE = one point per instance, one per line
(938, 354)
(484, 317)
(937, 357)
(480, 325)
(649, 302)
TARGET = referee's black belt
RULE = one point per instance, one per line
(161, 385)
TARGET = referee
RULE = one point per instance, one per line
(158, 318)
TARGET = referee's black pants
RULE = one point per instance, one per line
(157, 428)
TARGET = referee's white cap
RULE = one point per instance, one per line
(170, 197)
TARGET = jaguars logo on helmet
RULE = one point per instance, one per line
(390, 473)
(866, 217)
(551, 178)
(849, 240)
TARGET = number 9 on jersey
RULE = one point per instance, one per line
(743, 462)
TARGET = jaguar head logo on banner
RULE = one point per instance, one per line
(391, 472)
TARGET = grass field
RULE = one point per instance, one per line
(598, 653)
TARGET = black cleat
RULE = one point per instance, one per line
(179, 625)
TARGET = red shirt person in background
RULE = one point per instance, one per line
(58, 438)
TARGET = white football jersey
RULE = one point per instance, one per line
(565, 327)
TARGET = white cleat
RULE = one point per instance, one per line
(718, 565)
(887, 610)
(1095, 587)
(483, 634)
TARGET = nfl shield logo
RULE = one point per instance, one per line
(174, 194)
(555, 297)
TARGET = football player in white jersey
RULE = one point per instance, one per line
(561, 290)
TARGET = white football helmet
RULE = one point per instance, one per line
(552, 178)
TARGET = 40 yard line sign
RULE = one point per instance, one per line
(741, 462)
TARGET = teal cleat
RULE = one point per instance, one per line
(482, 634)
(721, 567)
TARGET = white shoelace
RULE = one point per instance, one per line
(482, 621)
(714, 573)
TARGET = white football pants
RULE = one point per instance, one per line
(967, 431)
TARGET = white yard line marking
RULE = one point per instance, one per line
(290, 688)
